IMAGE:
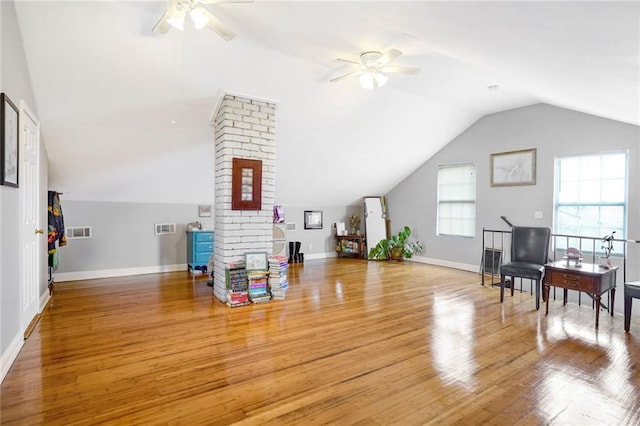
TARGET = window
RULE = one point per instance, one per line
(591, 197)
(457, 200)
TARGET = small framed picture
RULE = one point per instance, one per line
(256, 261)
(246, 184)
(313, 219)
(8, 142)
(204, 211)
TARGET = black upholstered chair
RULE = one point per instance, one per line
(631, 291)
(529, 253)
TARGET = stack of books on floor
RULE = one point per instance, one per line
(258, 286)
(236, 282)
(278, 283)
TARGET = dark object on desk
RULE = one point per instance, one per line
(589, 278)
(529, 253)
(631, 291)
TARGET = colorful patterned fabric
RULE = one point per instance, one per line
(56, 227)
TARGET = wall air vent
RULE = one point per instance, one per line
(165, 228)
(291, 226)
(78, 232)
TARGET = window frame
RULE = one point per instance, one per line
(440, 202)
(621, 232)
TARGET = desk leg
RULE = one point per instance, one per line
(613, 298)
(597, 309)
(565, 292)
(546, 296)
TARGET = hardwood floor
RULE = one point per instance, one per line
(354, 342)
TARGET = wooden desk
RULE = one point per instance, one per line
(589, 278)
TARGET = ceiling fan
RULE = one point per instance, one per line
(177, 11)
(374, 67)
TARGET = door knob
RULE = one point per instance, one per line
(39, 231)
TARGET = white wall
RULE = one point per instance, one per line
(319, 243)
(15, 82)
(123, 240)
(2, 344)
(554, 132)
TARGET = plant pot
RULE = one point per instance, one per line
(396, 254)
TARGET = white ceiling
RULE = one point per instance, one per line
(126, 114)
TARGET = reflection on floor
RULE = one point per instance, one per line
(354, 341)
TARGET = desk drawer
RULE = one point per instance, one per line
(204, 247)
(574, 281)
(201, 258)
(202, 237)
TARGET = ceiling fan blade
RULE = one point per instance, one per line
(347, 75)
(162, 27)
(223, 1)
(388, 57)
(216, 25)
(401, 70)
(348, 61)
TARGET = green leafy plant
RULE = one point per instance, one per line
(397, 247)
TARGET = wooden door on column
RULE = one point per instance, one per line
(30, 214)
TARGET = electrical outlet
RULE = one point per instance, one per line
(538, 215)
(310, 247)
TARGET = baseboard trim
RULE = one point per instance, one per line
(446, 263)
(44, 300)
(32, 326)
(113, 273)
(10, 355)
(320, 255)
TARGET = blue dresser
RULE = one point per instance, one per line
(199, 249)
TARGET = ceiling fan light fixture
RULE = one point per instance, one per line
(199, 18)
(380, 79)
(177, 21)
(373, 79)
(177, 13)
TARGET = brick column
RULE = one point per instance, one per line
(244, 128)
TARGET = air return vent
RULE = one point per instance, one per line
(165, 228)
(78, 232)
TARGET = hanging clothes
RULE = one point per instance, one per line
(56, 227)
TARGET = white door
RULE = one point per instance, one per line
(30, 214)
(375, 221)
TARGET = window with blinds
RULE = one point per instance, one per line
(457, 200)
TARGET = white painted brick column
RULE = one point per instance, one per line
(244, 128)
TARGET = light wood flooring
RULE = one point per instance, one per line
(354, 342)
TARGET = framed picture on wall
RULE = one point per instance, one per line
(8, 142)
(313, 219)
(246, 184)
(513, 168)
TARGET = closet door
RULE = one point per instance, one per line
(375, 221)
(30, 213)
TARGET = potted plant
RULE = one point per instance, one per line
(354, 224)
(398, 247)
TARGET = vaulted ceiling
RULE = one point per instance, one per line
(125, 114)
